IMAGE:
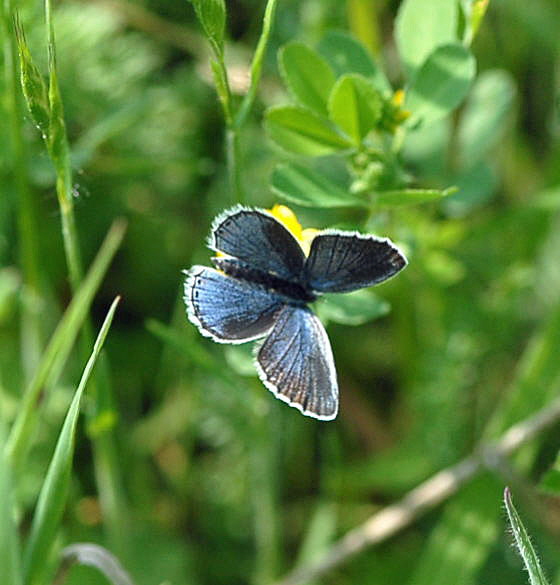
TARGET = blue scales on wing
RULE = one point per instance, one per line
(226, 309)
(295, 362)
(345, 261)
(258, 239)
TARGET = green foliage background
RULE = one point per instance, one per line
(190, 472)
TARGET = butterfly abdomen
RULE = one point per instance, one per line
(293, 291)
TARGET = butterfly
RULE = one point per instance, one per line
(261, 286)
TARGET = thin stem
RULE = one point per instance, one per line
(256, 64)
(108, 472)
(233, 155)
(222, 82)
(69, 232)
(390, 520)
(60, 153)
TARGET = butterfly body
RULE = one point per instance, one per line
(260, 288)
(294, 291)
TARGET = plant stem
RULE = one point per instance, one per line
(256, 65)
(102, 418)
(60, 153)
(232, 131)
(233, 155)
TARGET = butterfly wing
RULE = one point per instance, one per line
(345, 261)
(259, 239)
(226, 309)
(295, 363)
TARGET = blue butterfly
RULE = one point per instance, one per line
(260, 287)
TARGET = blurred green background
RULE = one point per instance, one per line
(222, 483)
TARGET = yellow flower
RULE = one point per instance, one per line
(393, 112)
(400, 114)
(287, 217)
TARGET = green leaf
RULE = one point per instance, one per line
(460, 541)
(307, 75)
(475, 187)
(52, 497)
(300, 131)
(309, 188)
(212, 17)
(421, 27)
(353, 308)
(347, 55)
(401, 197)
(33, 84)
(523, 543)
(441, 84)
(9, 538)
(483, 120)
(59, 346)
(355, 106)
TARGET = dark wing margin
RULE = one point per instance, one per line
(295, 363)
(259, 239)
(226, 309)
(345, 261)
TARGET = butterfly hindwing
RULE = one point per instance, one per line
(345, 261)
(258, 239)
(296, 363)
(226, 309)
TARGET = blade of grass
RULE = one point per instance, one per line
(9, 540)
(52, 497)
(523, 543)
(60, 345)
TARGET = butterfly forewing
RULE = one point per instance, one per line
(257, 238)
(226, 309)
(296, 363)
(346, 261)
